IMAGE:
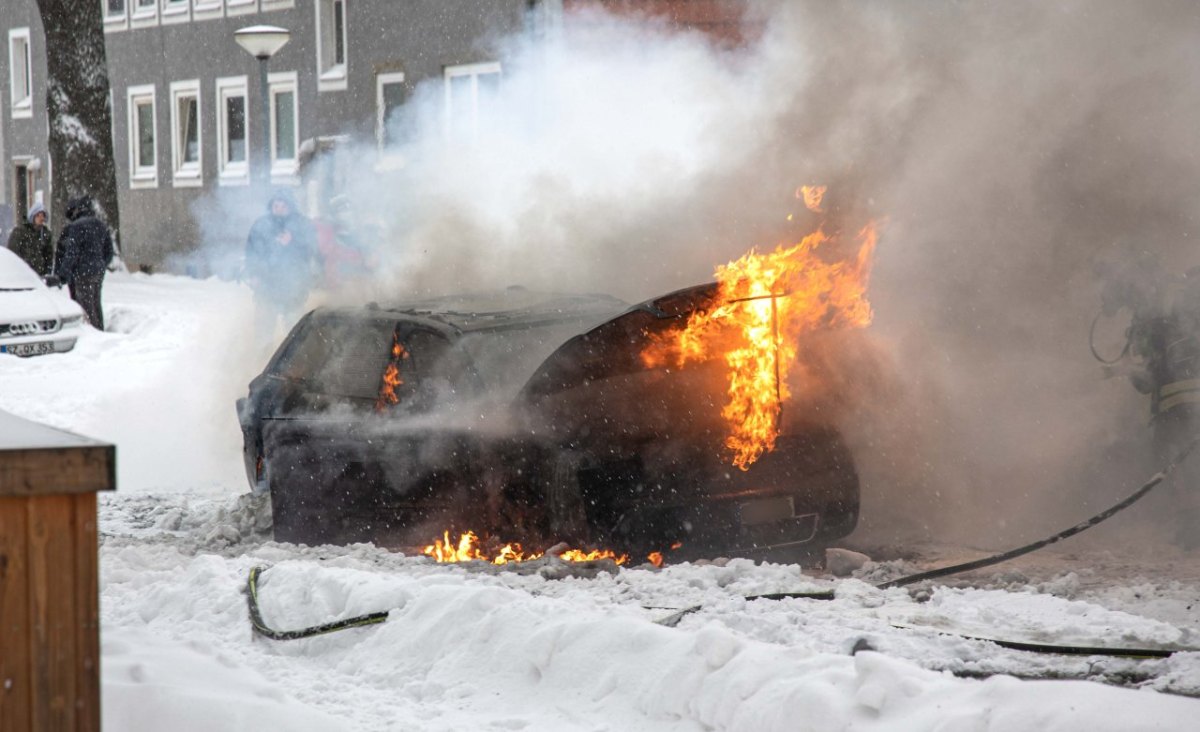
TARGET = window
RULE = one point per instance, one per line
(390, 95)
(240, 7)
(232, 132)
(470, 96)
(206, 9)
(144, 13)
(331, 45)
(285, 131)
(185, 133)
(175, 11)
(20, 65)
(114, 15)
(143, 162)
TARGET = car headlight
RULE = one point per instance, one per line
(72, 320)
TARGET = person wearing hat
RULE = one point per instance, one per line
(33, 241)
(281, 262)
(86, 250)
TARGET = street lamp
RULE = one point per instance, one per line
(262, 42)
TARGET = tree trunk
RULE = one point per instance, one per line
(77, 104)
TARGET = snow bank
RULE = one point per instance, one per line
(465, 648)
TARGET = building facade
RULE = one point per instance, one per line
(188, 115)
(186, 100)
(23, 128)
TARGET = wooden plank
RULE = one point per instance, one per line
(52, 612)
(15, 692)
(87, 613)
(55, 471)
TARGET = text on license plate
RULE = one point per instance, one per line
(28, 349)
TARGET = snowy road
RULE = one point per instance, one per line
(470, 647)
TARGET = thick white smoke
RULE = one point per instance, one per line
(1004, 146)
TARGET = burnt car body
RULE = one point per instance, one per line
(531, 418)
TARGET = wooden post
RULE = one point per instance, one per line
(49, 584)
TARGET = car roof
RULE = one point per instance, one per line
(513, 308)
(15, 274)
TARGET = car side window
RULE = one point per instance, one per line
(432, 372)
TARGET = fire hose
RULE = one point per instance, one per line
(261, 628)
(1092, 343)
(1156, 479)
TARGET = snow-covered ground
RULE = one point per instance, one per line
(541, 649)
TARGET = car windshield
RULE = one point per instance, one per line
(337, 356)
(347, 356)
(15, 274)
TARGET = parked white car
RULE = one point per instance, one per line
(34, 318)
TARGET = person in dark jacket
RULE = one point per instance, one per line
(33, 242)
(281, 260)
(1163, 352)
(85, 251)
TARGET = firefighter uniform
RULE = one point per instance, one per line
(1165, 338)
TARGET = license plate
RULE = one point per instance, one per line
(28, 349)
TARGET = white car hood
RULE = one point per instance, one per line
(18, 306)
(24, 297)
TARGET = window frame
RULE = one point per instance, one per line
(115, 21)
(284, 170)
(25, 165)
(235, 173)
(174, 11)
(207, 9)
(382, 79)
(240, 7)
(186, 174)
(141, 176)
(331, 77)
(474, 71)
(20, 108)
(143, 16)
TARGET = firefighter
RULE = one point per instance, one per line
(1164, 350)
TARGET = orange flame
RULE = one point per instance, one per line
(468, 548)
(770, 300)
(811, 195)
(391, 377)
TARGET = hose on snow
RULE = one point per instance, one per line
(260, 627)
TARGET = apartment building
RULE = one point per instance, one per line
(187, 109)
(186, 98)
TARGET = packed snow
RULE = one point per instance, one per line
(545, 647)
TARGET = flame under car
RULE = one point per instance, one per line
(531, 418)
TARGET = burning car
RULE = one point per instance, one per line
(34, 319)
(532, 418)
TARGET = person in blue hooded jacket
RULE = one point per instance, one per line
(281, 260)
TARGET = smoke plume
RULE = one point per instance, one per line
(1005, 148)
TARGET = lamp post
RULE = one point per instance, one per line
(262, 42)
